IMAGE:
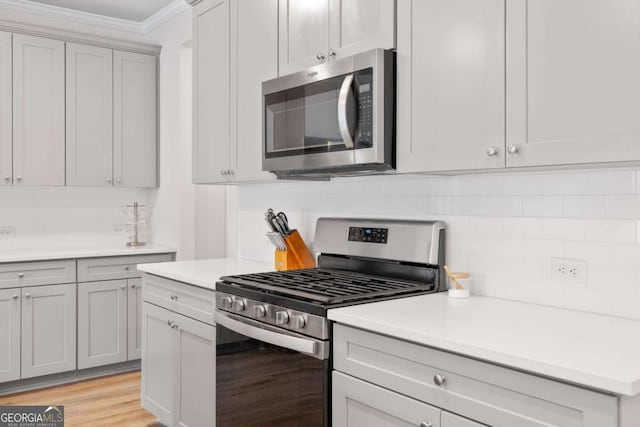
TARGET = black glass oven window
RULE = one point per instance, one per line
(261, 385)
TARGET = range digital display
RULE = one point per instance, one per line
(368, 234)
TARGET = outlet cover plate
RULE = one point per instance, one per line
(570, 271)
(7, 233)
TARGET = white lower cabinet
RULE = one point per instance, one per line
(48, 329)
(10, 334)
(384, 381)
(178, 361)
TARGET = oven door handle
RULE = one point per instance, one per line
(343, 123)
(267, 334)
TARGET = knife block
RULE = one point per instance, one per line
(296, 256)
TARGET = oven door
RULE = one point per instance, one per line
(266, 376)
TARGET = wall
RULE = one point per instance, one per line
(504, 229)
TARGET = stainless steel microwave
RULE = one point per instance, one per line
(337, 118)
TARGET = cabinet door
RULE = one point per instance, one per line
(89, 115)
(358, 403)
(195, 374)
(158, 361)
(211, 92)
(304, 34)
(450, 85)
(256, 29)
(6, 125)
(38, 111)
(360, 25)
(10, 335)
(134, 319)
(573, 93)
(48, 330)
(134, 120)
(102, 323)
(450, 420)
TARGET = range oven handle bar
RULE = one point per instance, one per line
(343, 98)
(268, 334)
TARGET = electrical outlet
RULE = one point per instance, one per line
(569, 271)
(7, 232)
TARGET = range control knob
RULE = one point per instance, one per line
(259, 311)
(239, 305)
(226, 302)
(298, 322)
(282, 318)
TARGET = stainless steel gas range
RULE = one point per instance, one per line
(273, 344)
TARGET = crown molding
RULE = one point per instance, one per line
(141, 28)
(168, 12)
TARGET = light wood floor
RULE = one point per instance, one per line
(110, 401)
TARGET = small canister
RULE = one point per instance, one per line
(459, 285)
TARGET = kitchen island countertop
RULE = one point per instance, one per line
(592, 350)
(206, 272)
(80, 251)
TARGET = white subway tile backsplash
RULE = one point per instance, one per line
(616, 182)
(615, 231)
(585, 206)
(564, 183)
(542, 206)
(564, 229)
(503, 229)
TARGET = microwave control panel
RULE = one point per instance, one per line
(368, 234)
(364, 88)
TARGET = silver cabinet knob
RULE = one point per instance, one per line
(174, 297)
(425, 424)
(126, 268)
(239, 305)
(226, 302)
(108, 180)
(18, 178)
(174, 326)
(492, 151)
(320, 56)
(512, 149)
(232, 172)
(439, 379)
(15, 297)
(332, 52)
(298, 322)
(118, 180)
(20, 275)
(259, 311)
(7, 178)
(282, 318)
(223, 172)
(27, 295)
(123, 286)
(169, 322)
(133, 286)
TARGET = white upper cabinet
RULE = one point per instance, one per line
(360, 25)
(89, 115)
(314, 31)
(134, 120)
(6, 125)
(573, 92)
(304, 34)
(38, 111)
(450, 105)
(211, 94)
(256, 61)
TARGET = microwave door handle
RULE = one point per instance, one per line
(266, 334)
(343, 98)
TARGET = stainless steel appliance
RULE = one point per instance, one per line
(336, 118)
(273, 344)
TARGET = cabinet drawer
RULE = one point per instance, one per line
(113, 268)
(189, 300)
(21, 274)
(477, 390)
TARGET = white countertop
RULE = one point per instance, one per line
(596, 351)
(85, 251)
(206, 272)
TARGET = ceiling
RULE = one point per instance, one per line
(130, 10)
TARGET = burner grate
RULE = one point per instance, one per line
(327, 286)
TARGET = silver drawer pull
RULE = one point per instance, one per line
(133, 286)
(122, 286)
(126, 268)
(173, 325)
(15, 297)
(439, 379)
(21, 275)
(27, 295)
(425, 424)
(174, 297)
